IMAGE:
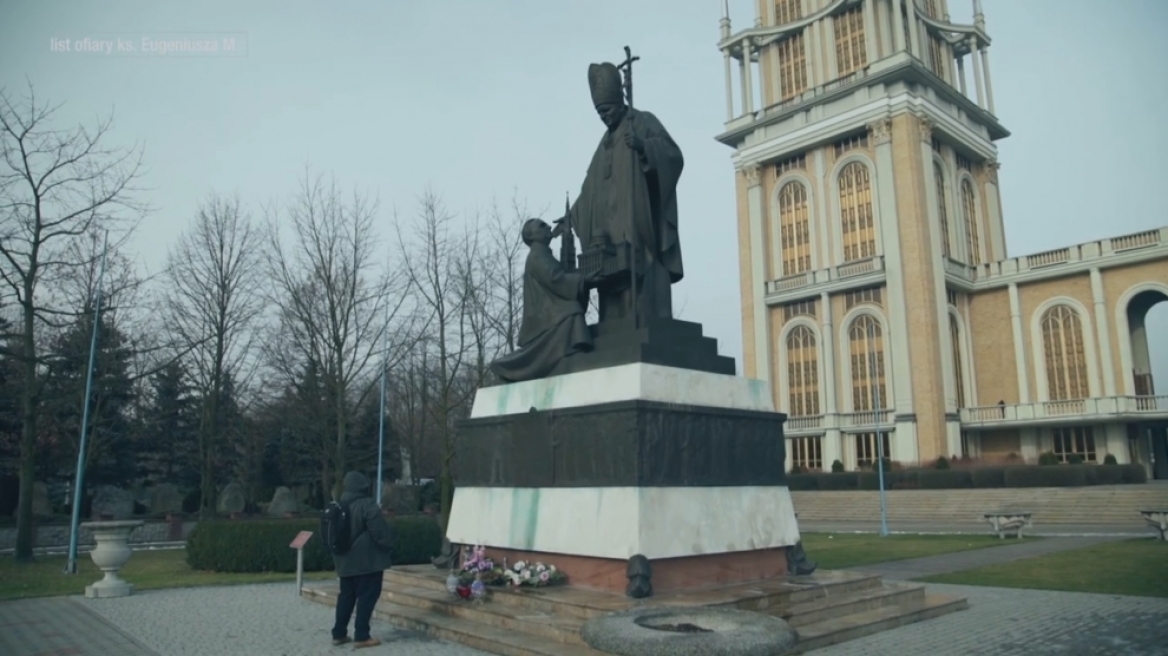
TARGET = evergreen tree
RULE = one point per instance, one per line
(169, 449)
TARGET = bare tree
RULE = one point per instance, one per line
(55, 187)
(504, 282)
(214, 300)
(435, 267)
(335, 302)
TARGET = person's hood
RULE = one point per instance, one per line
(356, 484)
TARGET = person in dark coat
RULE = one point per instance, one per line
(362, 568)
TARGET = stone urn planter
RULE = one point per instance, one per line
(110, 554)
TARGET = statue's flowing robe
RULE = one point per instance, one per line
(553, 319)
(623, 189)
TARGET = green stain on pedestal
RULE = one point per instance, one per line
(524, 516)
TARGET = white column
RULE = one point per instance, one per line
(831, 68)
(870, 31)
(729, 89)
(758, 248)
(748, 79)
(914, 29)
(1019, 346)
(961, 75)
(897, 335)
(1103, 330)
(989, 90)
(822, 184)
(744, 79)
(811, 57)
(827, 327)
(973, 54)
(897, 26)
(881, 12)
(832, 450)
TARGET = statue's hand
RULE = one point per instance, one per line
(634, 142)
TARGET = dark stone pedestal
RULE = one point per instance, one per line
(665, 342)
(626, 443)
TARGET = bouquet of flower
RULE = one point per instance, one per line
(478, 567)
(535, 575)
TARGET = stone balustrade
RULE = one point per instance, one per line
(1145, 407)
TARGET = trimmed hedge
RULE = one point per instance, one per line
(981, 477)
(262, 545)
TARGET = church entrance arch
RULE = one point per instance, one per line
(1147, 314)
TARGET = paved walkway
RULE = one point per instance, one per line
(929, 528)
(962, 560)
(61, 626)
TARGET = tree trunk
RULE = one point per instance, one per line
(28, 416)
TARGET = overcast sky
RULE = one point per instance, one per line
(484, 99)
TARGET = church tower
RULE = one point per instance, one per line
(863, 135)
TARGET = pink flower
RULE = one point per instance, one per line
(544, 576)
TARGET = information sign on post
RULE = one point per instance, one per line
(298, 544)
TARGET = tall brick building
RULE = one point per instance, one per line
(878, 296)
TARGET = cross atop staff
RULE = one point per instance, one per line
(626, 67)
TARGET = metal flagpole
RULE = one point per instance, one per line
(876, 407)
(381, 415)
(71, 563)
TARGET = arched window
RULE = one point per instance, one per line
(803, 372)
(867, 351)
(858, 226)
(1066, 360)
(969, 216)
(850, 49)
(955, 340)
(788, 11)
(942, 214)
(794, 230)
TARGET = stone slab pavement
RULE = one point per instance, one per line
(62, 626)
(1007, 622)
(251, 620)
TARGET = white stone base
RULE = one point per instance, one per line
(620, 522)
(645, 382)
(105, 589)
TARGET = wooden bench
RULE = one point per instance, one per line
(1009, 522)
(1157, 519)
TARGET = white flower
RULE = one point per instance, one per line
(552, 569)
(519, 566)
(539, 567)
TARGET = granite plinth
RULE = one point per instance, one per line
(619, 522)
(666, 342)
(628, 443)
(628, 382)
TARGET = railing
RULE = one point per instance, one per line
(1105, 406)
(960, 270)
(865, 419)
(820, 276)
(1057, 256)
(810, 94)
(1138, 240)
(856, 268)
(809, 422)
(1080, 253)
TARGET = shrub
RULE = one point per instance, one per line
(1068, 476)
(907, 479)
(837, 467)
(944, 479)
(839, 481)
(1013, 457)
(1134, 474)
(985, 477)
(802, 482)
(262, 545)
(1110, 460)
(1075, 459)
(1109, 475)
(942, 463)
(1048, 458)
(795, 469)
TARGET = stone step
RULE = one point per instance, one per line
(583, 603)
(510, 617)
(858, 625)
(830, 608)
(484, 637)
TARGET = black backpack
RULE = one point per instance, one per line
(336, 528)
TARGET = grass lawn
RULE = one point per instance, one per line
(146, 570)
(1128, 567)
(843, 550)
